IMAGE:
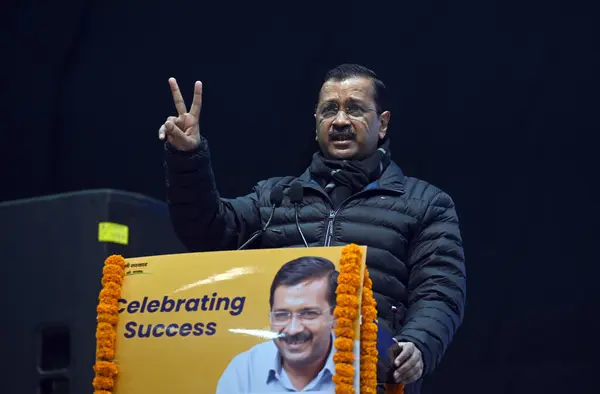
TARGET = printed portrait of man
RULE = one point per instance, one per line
(302, 299)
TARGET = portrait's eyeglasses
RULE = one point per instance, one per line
(306, 316)
(352, 110)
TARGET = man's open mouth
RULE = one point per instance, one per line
(341, 137)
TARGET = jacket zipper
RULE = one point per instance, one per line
(329, 231)
(333, 213)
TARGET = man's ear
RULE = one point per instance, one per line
(384, 120)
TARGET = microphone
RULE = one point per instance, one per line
(276, 199)
(296, 195)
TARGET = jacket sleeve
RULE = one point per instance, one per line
(437, 283)
(203, 220)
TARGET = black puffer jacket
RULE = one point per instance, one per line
(415, 255)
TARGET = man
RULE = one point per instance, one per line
(302, 299)
(352, 193)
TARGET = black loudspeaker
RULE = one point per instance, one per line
(53, 250)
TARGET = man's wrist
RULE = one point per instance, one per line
(173, 150)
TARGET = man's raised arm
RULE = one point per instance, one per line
(202, 220)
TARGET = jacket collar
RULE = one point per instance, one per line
(391, 179)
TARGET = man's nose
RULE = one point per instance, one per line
(295, 326)
(341, 119)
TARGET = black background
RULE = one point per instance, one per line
(493, 101)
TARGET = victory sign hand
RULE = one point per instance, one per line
(183, 131)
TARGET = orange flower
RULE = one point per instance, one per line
(108, 298)
(344, 322)
(369, 375)
(368, 336)
(104, 329)
(109, 294)
(369, 313)
(103, 383)
(107, 308)
(369, 327)
(369, 348)
(351, 280)
(110, 290)
(105, 353)
(368, 360)
(114, 287)
(101, 343)
(350, 269)
(348, 313)
(347, 300)
(345, 289)
(106, 337)
(351, 249)
(105, 368)
(344, 344)
(346, 332)
(115, 260)
(113, 270)
(110, 278)
(343, 357)
(346, 370)
(108, 318)
(337, 379)
(368, 372)
(343, 388)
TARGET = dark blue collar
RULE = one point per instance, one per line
(372, 185)
(392, 179)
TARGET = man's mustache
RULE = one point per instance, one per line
(300, 337)
(347, 133)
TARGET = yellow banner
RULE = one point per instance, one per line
(257, 321)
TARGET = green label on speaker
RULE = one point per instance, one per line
(113, 232)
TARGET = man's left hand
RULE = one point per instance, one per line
(408, 364)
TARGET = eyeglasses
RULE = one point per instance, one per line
(306, 316)
(352, 110)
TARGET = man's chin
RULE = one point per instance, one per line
(342, 151)
(296, 356)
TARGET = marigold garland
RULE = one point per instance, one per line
(346, 312)
(105, 367)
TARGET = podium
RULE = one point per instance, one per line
(226, 322)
